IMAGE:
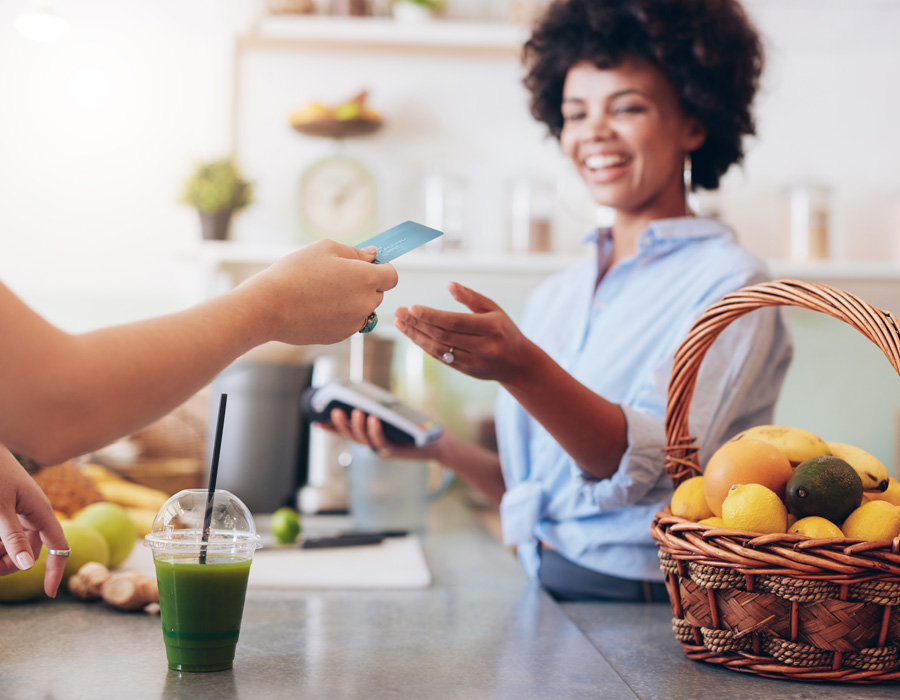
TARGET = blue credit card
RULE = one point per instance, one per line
(400, 239)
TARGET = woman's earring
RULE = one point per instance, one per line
(687, 174)
(690, 197)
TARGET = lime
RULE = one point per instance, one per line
(285, 525)
(825, 486)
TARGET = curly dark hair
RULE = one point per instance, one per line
(708, 49)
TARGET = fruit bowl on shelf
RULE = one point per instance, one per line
(351, 118)
(337, 128)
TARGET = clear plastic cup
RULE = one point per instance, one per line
(202, 579)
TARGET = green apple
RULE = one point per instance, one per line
(20, 586)
(113, 522)
(86, 543)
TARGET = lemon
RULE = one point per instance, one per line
(891, 495)
(285, 525)
(875, 520)
(816, 527)
(714, 521)
(689, 500)
(755, 508)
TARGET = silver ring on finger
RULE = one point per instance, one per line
(64, 553)
(448, 357)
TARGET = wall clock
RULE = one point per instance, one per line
(338, 200)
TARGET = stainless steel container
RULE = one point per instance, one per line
(263, 459)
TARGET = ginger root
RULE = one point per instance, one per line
(129, 591)
(125, 590)
(87, 582)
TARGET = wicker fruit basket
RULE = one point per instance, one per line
(782, 606)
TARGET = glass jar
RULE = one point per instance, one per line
(532, 214)
(809, 216)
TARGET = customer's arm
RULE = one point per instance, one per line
(66, 394)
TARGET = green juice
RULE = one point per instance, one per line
(201, 607)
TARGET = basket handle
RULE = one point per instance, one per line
(881, 327)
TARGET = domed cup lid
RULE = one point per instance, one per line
(179, 524)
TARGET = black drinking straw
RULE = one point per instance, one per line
(214, 470)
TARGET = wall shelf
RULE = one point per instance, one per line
(831, 271)
(509, 275)
(225, 253)
(241, 253)
(387, 34)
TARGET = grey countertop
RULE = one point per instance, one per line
(480, 631)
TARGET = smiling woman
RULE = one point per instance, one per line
(627, 135)
(627, 87)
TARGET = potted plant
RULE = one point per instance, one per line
(217, 189)
(415, 10)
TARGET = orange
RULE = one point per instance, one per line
(744, 461)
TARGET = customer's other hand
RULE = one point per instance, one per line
(26, 521)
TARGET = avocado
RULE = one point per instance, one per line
(825, 486)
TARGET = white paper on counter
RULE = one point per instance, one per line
(396, 563)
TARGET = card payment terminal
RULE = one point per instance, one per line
(402, 424)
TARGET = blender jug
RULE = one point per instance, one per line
(264, 440)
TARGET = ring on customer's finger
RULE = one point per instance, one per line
(370, 323)
(65, 553)
(448, 356)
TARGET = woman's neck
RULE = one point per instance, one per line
(628, 228)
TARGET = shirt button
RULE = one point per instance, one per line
(601, 306)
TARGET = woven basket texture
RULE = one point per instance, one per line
(782, 606)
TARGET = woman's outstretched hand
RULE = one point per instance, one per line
(485, 343)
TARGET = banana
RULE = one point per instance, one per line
(311, 112)
(132, 495)
(797, 444)
(871, 470)
(891, 494)
(98, 473)
(142, 519)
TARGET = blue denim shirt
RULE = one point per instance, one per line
(619, 340)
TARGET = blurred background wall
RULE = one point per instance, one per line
(99, 129)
